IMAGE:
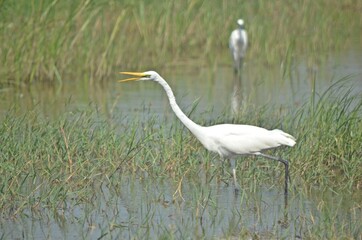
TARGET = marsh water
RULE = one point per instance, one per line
(134, 208)
(148, 207)
(213, 90)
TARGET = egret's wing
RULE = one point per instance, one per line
(236, 129)
(234, 39)
(247, 144)
(247, 139)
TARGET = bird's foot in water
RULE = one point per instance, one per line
(237, 188)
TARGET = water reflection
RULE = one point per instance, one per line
(149, 208)
(136, 208)
(258, 85)
(237, 94)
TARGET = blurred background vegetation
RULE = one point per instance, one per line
(53, 40)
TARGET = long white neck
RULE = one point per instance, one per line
(192, 126)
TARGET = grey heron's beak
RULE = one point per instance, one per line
(136, 76)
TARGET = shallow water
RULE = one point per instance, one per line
(214, 91)
(150, 208)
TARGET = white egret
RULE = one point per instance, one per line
(238, 43)
(228, 140)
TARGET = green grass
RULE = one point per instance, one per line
(71, 153)
(80, 165)
(60, 163)
(328, 139)
(54, 41)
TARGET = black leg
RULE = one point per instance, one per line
(286, 164)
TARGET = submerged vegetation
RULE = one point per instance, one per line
(87, 40)
(57, 165)
(73, 152)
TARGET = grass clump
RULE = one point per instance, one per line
(43, 161)
(329, 134)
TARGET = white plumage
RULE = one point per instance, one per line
(228, 140)
(238, 43)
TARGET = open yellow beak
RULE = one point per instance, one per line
(136, 76)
